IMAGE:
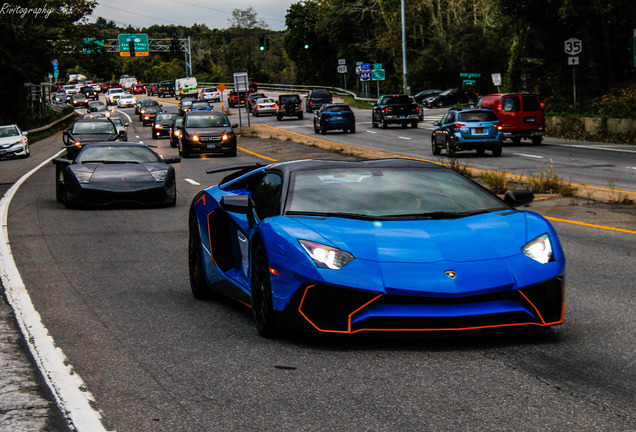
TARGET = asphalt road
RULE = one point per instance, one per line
(112, 288)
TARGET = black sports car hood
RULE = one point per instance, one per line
(120, 173)
(216, 131)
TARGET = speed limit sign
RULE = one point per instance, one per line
(573, 46)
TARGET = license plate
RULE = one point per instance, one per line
(211, 146)
(402, 116)
(530, 119)
(479, 130)
(338, 117)
(2, 152)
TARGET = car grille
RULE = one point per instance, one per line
(338, 310)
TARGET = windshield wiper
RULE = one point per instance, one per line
(435, 215)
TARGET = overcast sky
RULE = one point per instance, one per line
(213, 13)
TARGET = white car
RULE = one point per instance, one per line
(13, 142)
(210, 94)
(113, 92)
(126, 100)
(121, 127)
(69, 89)
(264, 106)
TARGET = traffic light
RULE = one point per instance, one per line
(261, 43)
(306, 45)
(131, 48)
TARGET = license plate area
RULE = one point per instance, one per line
(479, 130)
(530, 119)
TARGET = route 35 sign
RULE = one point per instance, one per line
(573, 46)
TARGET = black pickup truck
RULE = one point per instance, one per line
(397, 108)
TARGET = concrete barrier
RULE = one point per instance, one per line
(559, 125)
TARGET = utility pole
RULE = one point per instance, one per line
(406, 88)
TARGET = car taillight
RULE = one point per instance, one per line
(498, 126)
(500, 107)
(459, 125)
(542, 104)
(275, 106)
(300, 106)
(386, 110)
(258, 106)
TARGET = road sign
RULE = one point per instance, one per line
(221, 87)
(54, 63)
(377, 74)
(140, 44)
(342, 61)
(240, 81)
(377, 66)
(573, 61)
(573, 46)
(342, 69)
(496, 78)
(470, 82)
(365, 67)
(469, 75)
(365, 76)
(56, 73)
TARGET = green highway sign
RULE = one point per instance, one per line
(377, 66)
(469, 75)
(140, 44)
(377, 75)
(470, 82)
(93, 45)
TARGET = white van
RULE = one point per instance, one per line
(185, 87)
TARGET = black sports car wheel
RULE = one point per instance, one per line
(262, 307)
(451, 150)
(200, 289)
(496, 151)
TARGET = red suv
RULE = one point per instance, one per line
(521, 115)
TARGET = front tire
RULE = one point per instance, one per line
(262, 308)
(434, 147)
(200, 288)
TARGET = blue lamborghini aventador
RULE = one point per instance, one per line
(373, 246)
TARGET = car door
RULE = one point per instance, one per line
(444, 131)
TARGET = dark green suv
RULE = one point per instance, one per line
(165, 89)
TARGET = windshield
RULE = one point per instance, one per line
(117, 154)
(165, 117)
(94, 128)
(397, 100)
(337, 108)
(8, 131)
(390, 193)
(206, 121)
(200, 105)
(117, 121)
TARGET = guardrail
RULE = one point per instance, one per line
(296, 88)
(50, 125)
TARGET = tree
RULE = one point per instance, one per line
(26, 53)
(246, 18)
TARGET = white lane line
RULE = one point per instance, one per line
(193, 182)
(136, 136)
(127, 116)
(373, 132)
(68, 388)
(529, 155)
(406, 138)
(634, 168)
(594, 148)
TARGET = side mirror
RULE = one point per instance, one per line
(65, 137)
(160, 105)
(235, 125)
(436, 123)
(518, 198)
(25, 133)
(241, 204)
(172, 160)
(126, 124)
(62, 161)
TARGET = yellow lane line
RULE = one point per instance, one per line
(591, 225)
(440, 163)
(256, 154)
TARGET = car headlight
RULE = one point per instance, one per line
(158, 126)
(326, 256)
(195, 138)
(540, 249)
(160, 176)
(83, 177)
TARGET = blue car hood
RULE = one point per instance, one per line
(475, 238)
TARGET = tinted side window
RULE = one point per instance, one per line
(511, 104)
(530, 103)
(266, 197)
(450, 117)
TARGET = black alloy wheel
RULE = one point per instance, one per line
(451, 150)
(262, 308)
(434, 147)
(200, 289)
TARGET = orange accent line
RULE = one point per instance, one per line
(245, 303)
(210, 238)
(349, 331)
(199, 200)
(533, 306)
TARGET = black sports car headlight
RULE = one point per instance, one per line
(84, 177)
(326, 256)
(540, 249)
(160, 176)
